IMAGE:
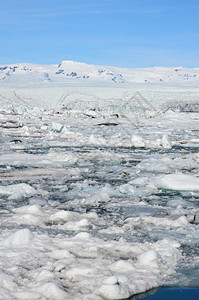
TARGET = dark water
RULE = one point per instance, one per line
(170, 293)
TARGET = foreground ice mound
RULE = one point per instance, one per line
(89, 267)
(178, 182)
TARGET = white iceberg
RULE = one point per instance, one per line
(178, 182)
(137, 141)
(57, 127)
(19, 238)
(17, 191)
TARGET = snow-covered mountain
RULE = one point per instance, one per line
(68, 71)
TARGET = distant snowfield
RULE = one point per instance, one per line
(125, 98)
(99, 181)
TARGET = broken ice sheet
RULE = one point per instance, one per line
(91, 209)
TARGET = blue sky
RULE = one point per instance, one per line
(125, 33)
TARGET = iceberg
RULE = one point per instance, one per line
(178, 182)
(19, 238)
(17, 191)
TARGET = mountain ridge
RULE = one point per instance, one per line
(68, 71)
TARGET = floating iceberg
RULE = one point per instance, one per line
(178, 182)
(17, 191)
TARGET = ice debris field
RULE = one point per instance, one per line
(99, 189)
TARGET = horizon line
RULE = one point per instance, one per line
(92, 64)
